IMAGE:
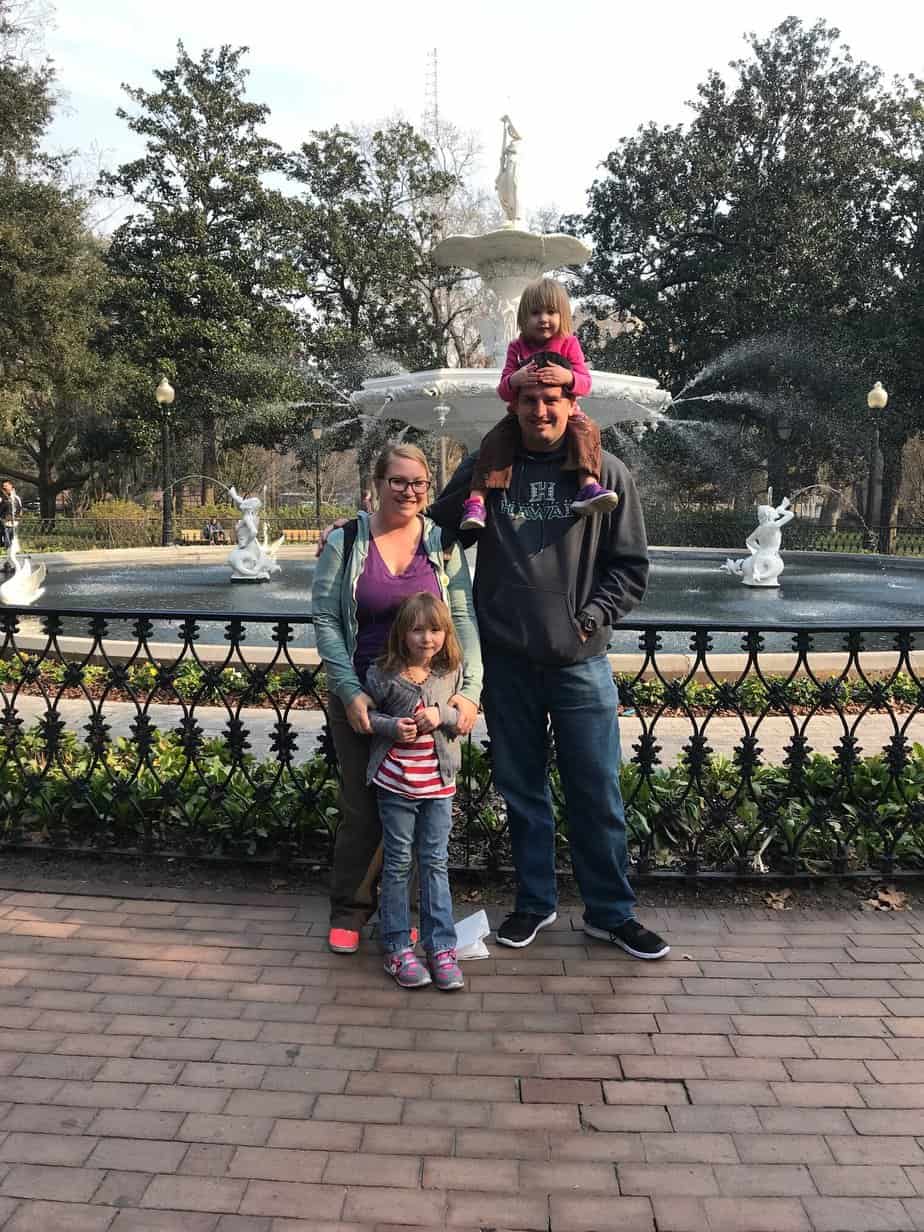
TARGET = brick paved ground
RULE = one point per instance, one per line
(204, 1064)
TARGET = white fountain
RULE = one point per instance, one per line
(251, 560)
(463, 402)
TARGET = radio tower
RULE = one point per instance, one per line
(432, 112)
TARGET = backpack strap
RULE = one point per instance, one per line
(350, 531)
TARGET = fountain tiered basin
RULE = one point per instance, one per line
(462, 402)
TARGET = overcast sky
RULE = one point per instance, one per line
(574, 78)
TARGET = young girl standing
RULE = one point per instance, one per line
(413, 764)
(544, 318)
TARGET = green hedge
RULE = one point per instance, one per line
(173, 793)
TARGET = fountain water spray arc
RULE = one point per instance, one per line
(462, 402)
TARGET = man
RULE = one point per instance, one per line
(548, 588)
(10, 510)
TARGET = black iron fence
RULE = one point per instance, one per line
(803, 758)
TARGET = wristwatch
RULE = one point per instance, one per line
(588, 624)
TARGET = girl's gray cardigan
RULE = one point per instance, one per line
(396, 698)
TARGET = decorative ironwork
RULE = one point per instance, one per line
(215, 743)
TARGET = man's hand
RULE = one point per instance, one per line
(553, 374)
(428, 720)
(407, 731)
(357, 713)
(325, 533)
(468, 713)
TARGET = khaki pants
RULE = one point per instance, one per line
(358, 845)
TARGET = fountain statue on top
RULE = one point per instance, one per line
(463, 402)
(765, 564)
(250, 560)
(506, 182)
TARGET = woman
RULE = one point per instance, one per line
(397, 552)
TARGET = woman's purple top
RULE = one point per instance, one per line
(379, 594)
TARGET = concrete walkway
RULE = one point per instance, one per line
(201, 1063)
(824, 732)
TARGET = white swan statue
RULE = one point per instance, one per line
(27, 584)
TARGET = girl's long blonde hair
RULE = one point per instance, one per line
(548, 294)
(422, 607)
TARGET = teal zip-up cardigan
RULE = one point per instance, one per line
(333, 606)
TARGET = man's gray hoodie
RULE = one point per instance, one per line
(541, 567)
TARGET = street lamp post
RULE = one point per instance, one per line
(163, 396)
(317, 432)
(877, 400)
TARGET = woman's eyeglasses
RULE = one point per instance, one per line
(417, 486)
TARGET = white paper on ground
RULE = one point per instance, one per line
(470, 935)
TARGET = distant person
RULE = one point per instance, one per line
(413, 761)
(212, 532)
(546, 337)
(10, 512)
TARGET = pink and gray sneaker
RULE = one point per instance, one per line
(593, 499)
(444, 968)
(474, 514)
(406, 969)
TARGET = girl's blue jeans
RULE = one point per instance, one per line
(424, 826)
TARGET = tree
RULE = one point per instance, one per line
(895, 335)
(768, 212)
(26, 90)
(767, 209)
(56, 394)
(200, 275)
(363, 230)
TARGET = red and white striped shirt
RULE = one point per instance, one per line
(413, 770)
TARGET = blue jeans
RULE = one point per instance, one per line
(520, 698)
(425, 825)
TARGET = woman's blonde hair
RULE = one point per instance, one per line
(546, 293)
(410, 452)
(426, 608)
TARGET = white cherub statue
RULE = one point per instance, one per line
(250, 560)
(765, 564)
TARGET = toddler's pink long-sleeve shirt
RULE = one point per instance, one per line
(519, 351)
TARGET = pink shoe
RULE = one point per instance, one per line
(343, 940)
(474, 515)
(444, 967)
(406, 969)
(593, 499)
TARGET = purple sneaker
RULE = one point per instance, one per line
(445, 970)
(406, 969)
(593, 499)
(474, 515)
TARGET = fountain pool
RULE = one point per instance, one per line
(817, 590)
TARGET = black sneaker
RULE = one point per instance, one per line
(520, 928)
(632, 937)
